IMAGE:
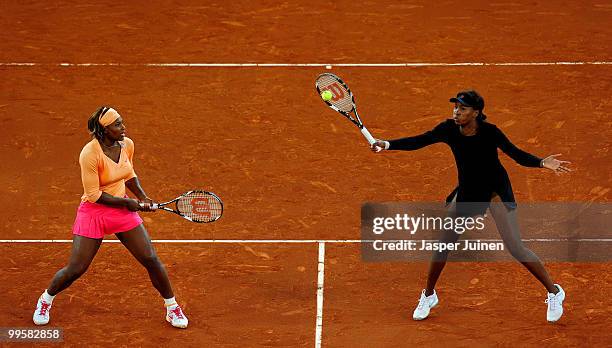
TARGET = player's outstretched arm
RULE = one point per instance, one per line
(436, 135)
(408, 143)
(557, 166)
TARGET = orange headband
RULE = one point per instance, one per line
(109, 117)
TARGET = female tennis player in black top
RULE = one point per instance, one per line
(482, 177)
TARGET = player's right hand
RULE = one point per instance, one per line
(378, 146)
(146, 204)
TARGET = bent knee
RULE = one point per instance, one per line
(150, 260)
(439, 256)
(521, 253)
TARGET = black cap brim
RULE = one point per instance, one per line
(458, 100)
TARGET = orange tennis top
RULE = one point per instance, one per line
(100, 174)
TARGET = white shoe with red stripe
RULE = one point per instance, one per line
(41, 314)
(176, 317)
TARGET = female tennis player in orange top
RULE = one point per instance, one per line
(106, 170)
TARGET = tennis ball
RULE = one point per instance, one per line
(326, 95)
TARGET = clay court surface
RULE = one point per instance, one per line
(289, 168)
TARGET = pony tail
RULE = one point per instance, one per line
(481, 117)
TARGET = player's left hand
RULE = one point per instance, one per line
(555, 165)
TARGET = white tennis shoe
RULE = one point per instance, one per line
(426, 303)
(555, 305)
(41, 314)
(176, 317)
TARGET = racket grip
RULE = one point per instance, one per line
(154, 206)
(367, 135)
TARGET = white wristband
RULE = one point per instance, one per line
(387, 144)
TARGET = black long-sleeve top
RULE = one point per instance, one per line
(480, 173)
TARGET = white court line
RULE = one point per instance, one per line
(296, 241)
(321, 259)
(326, 65)
(320, 279)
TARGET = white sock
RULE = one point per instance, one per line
(48, 298)
(170, 302)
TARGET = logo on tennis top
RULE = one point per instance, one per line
(200, 206)
(337, 91)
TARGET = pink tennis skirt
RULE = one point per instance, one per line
(95, 220)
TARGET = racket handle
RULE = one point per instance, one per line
(367, 135)
(154, 206)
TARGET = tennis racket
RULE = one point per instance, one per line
(342, 100)
(197, 206)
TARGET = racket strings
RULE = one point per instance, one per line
(342, 98)
(200, 207)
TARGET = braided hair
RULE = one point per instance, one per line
(481, 117)
(93, 124)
